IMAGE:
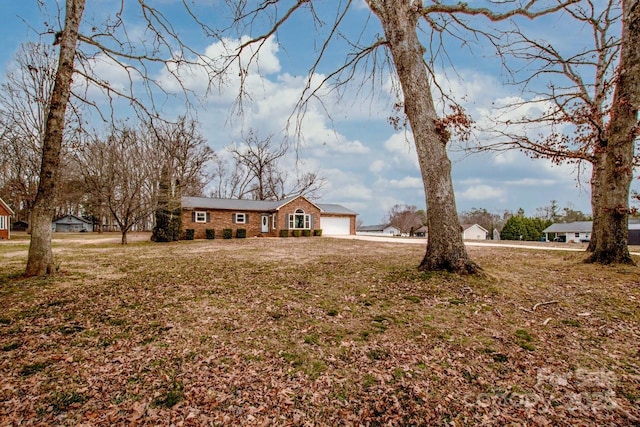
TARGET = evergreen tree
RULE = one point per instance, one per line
(519, 227)
(168, 225)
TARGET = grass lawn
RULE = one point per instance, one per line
(313, 331)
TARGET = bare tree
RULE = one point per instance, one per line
(482, 217)
(259, 175)
(592, 95)
(40, 259)
(24, 97)
(115, 174)
(258, 159)
(400, 21)
(228, 178)
(111, 43)
(406, 218)
(185, 152)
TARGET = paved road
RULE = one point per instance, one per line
(421, 241)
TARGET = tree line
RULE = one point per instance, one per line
(509, 225)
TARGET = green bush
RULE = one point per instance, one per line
(227, 233)
(317, 232)
(211, 233)
(295, 233)
(284, 233)
(190, 233)
(306, 233)
(241, 233)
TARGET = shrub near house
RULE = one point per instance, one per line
(263, 217)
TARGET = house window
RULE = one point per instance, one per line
(3, 222)
(201, 216)
(240, 218)
(274, 223)
(577, 234)
(300, 220)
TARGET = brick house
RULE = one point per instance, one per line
(264, 217)
(5, 220)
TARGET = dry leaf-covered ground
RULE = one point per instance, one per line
(314, 331)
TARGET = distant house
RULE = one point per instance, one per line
(576, 232)
(378, 230)
(5, 220)
(265, 217)
(422, 231)
(71, 223)
(580, 231)
(634, 234)
(474, 232)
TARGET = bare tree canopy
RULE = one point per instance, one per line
(587, 98)
(258, 172)
(406, 218)
(23, 99)
(80, 51)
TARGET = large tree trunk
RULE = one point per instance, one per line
(597, 188)
(445, 247)
(40, 259)
(613, 214)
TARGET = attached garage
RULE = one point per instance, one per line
(335, 225)
(336, 220)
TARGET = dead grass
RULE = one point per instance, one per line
(315, 331)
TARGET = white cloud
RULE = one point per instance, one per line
(352, 191)
(377, 166)
(406, 182)
(532, 182)
(482, 192)
(403, 152)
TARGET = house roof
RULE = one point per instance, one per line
(332, 208)
(377, 227)
(6, 206)
(257, 205)
(73, 217)
(465, 227)
(423, 229)
(569, 227)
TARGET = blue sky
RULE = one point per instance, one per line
(368, 165)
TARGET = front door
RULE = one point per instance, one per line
(265, 224)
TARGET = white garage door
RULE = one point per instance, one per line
(332, 225)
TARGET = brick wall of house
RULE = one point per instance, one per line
(291, 207)
(219, 220)
(6, 223)
(4, 231)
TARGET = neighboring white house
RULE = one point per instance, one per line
(70, 223)
(580, 231)
(377, 230)
(474, 232)
(576, 232)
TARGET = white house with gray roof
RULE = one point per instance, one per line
(378, 230)
(576, 232)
